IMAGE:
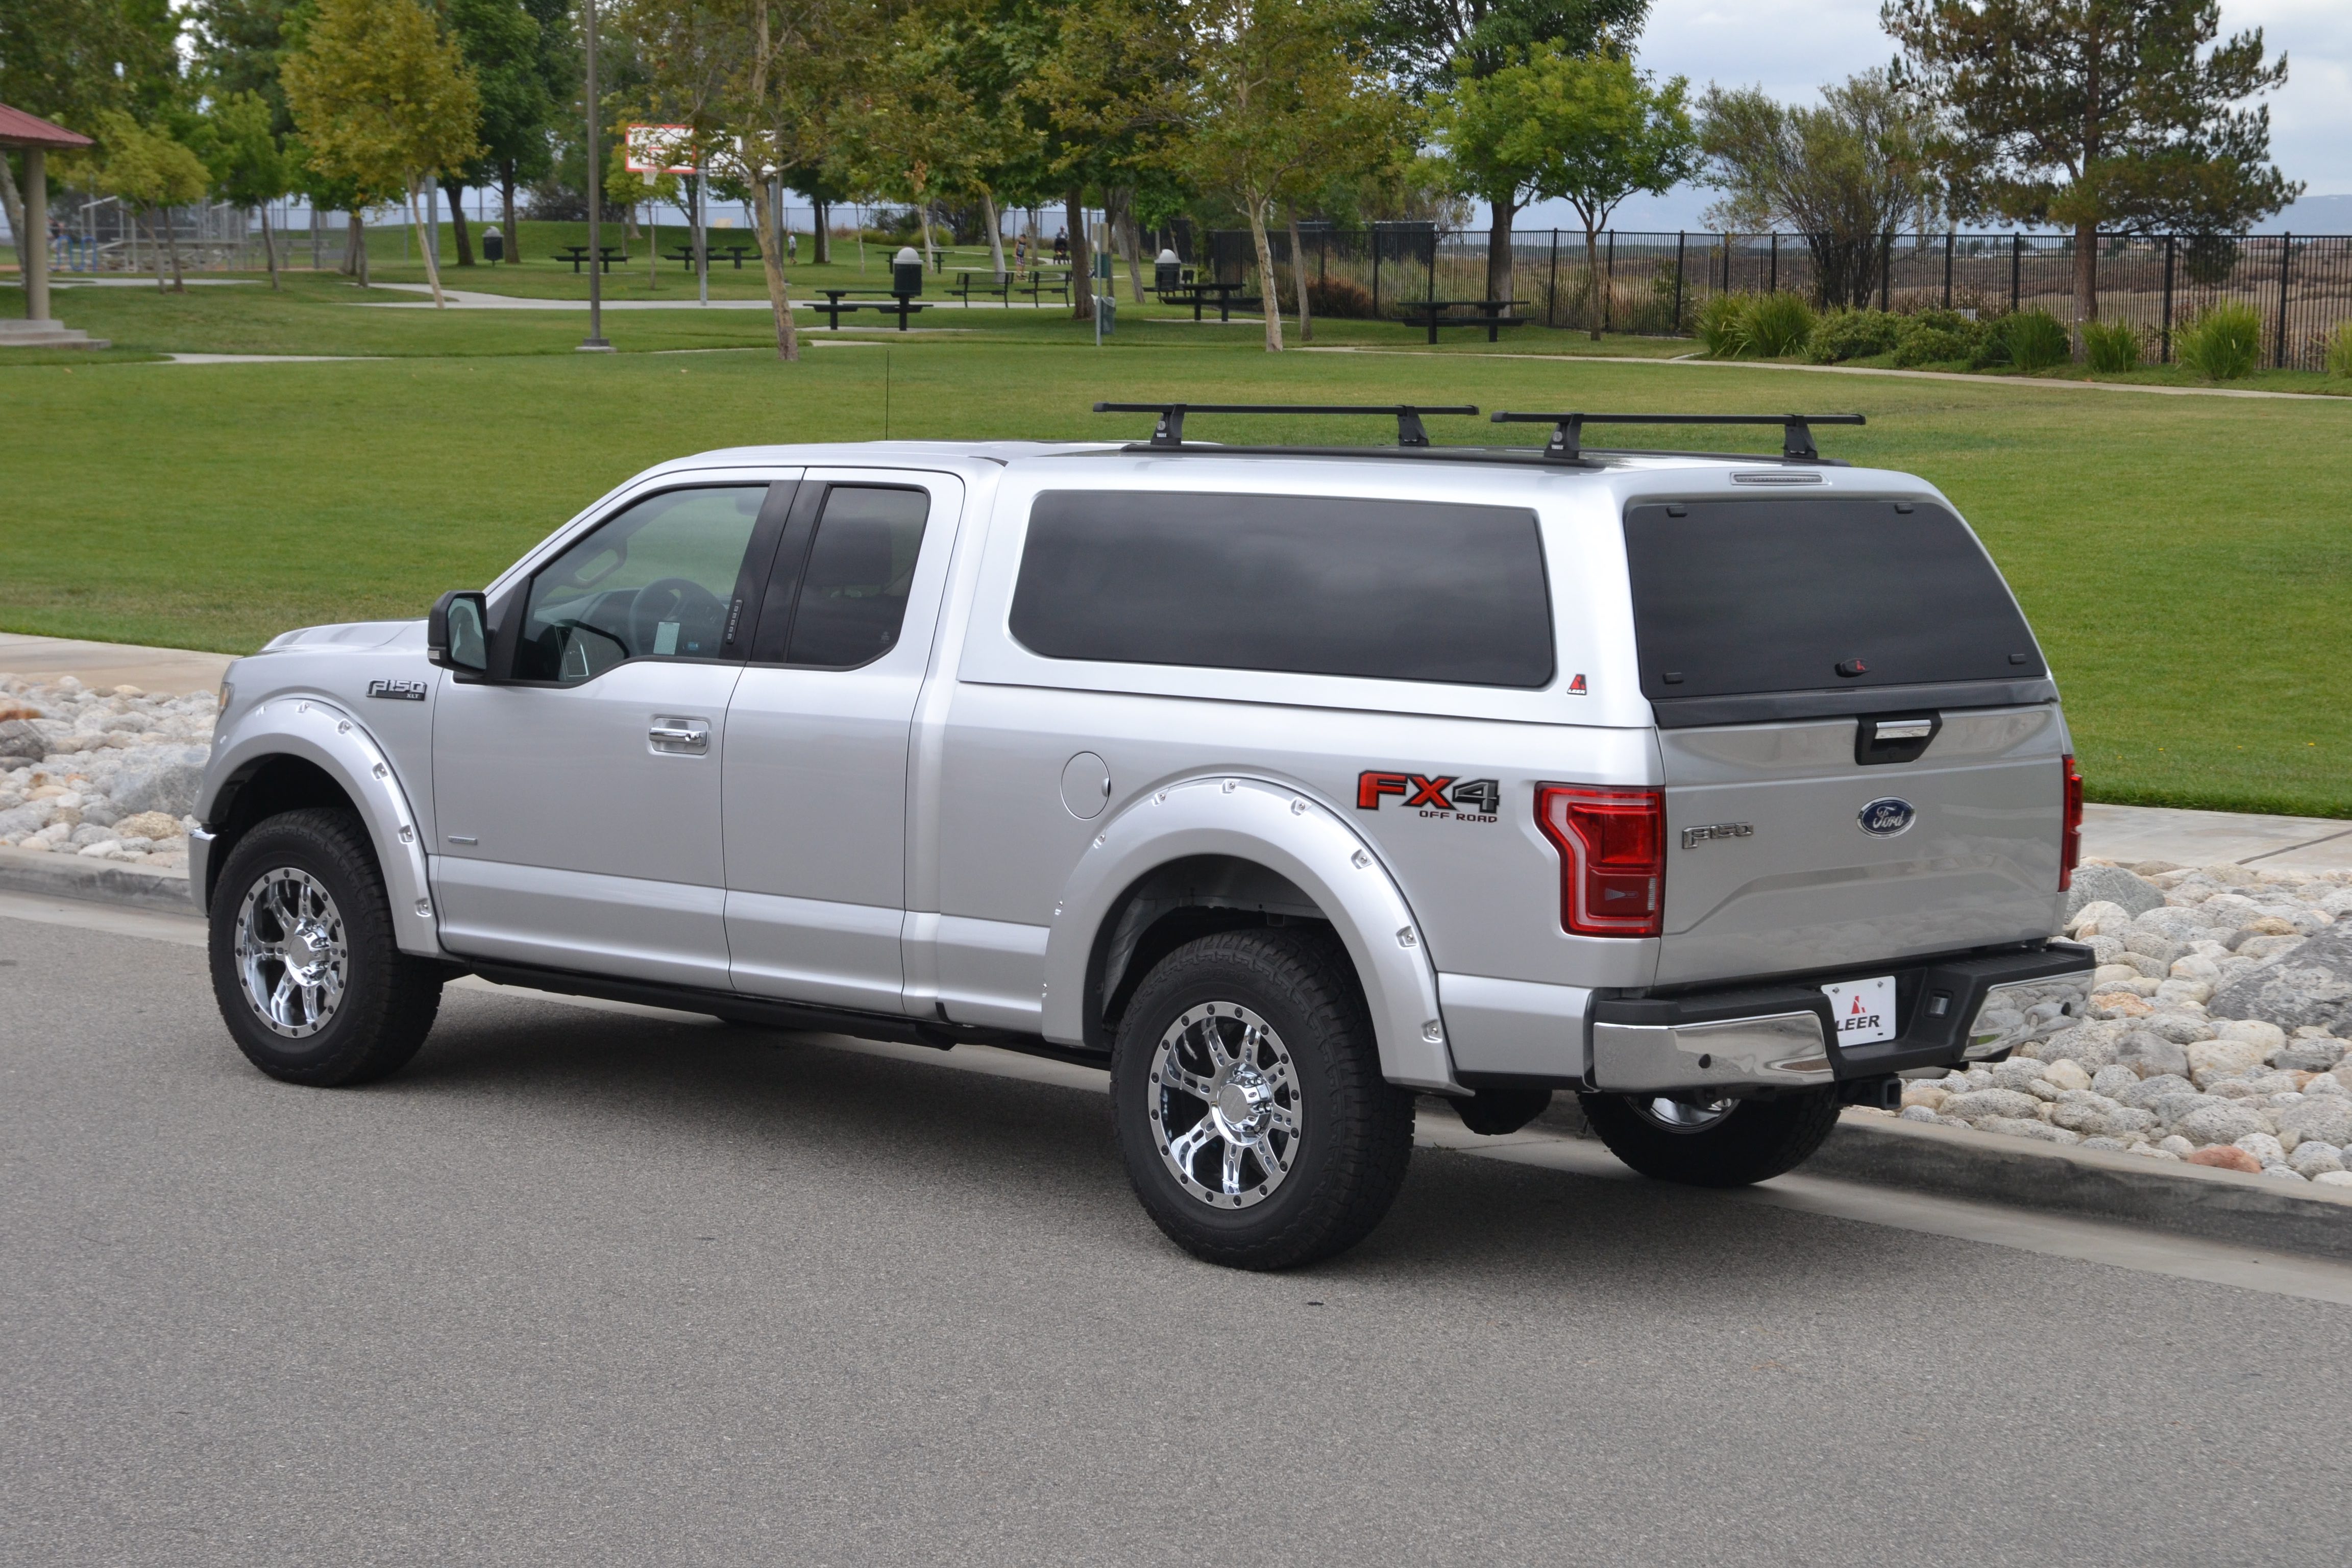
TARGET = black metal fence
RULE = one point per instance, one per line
(2300, 285)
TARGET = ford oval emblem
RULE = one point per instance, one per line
(1887, 818)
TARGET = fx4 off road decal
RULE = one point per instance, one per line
(1445, 796)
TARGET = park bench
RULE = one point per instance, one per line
(1042, 279)
(985, 280)
(1493, 314)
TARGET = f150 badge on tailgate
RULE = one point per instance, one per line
(1445, 796)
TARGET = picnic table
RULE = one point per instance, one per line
(836, 300)
(1199, 291)
(1494, 314)
(683, 254)
(576, 254)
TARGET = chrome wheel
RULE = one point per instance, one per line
(291, 952)
(1225, 1107)
(1682, 1116)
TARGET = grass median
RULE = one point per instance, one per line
(2185, 559)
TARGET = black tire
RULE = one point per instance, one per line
(1341, 1167)
(1754, 1141)
(317, 864)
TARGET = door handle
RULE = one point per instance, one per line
(679, 737)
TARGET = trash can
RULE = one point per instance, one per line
(1167, 272)
(905, 271)
(494, 243)
(1106, 312)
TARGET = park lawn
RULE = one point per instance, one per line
(2185, 559)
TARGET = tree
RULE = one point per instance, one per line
(384, 100)
(248, 166)
(1430, 46)
(1846, 176)
(2097, 115)
(499, 40)
(1593, 130)
(70, 61)
(146, 168)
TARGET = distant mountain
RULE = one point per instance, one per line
(2312, 214)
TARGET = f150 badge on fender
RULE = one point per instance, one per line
(399, 690)
(1457, 800)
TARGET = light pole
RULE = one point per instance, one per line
(595, 342)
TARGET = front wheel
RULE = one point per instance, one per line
(1250, 1109)
(309, 981)
(1713, 1143)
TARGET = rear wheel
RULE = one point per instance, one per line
(313, 986)
(1251, 1112)
(1713, 1143)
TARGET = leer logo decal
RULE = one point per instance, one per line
(399, 690)
(1444, 797)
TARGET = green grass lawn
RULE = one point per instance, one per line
(2186, 559)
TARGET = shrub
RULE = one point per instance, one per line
(1934, 337)
(1337, 297)
(1851, 334)
(2035, 340)
(2224, 343)
(2339, 349)
(2112, 347)
(1778, 323)
(1722, 327)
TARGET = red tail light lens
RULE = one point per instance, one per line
(1613, 857)
(2070, 852)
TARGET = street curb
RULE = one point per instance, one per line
(2095, 1184)
(59, 876)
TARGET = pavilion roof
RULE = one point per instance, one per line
(18, 129)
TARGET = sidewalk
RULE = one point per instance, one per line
(2128, 834)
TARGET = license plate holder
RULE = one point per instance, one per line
(1862, 1010)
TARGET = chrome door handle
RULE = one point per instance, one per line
(680, 737)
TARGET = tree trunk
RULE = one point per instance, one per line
(771, 262)
(14, 201)
(171, 240)
(506, 207)
(923, 218)
(1592, 281)
(1272, 306)
(821, 242)
(426, 248)
(358, 243)
(2087, 281)
(995, 233)
(1298, 281)
(457, 195)
(1119, 207)
(269, 251)
(1498, 250)
(1082, 266)
(155, 244)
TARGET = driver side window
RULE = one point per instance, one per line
(659, 581)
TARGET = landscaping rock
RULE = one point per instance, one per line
(2310, 985)
(2225, 1157)
(2112, 884)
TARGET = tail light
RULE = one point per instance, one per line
(1613, 857)
(2070, 850)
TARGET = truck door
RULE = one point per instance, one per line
(817, 734)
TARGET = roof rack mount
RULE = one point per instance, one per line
(1568, 429)
(1168, 433)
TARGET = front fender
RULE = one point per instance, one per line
(1288, 833)
(324, 734)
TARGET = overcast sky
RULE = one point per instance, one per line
(1792, 47)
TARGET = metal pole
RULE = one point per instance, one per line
(1776, 262)
(1680, 240)
(1948, 238)
(1551, 289)
(595, 342)
(1886, 268)
(1609, 284)
(2287, 257)
(2016, 266)
(2166, 356)
(1376, 272)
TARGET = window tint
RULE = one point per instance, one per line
(1388, 590)
(853, 587)
(655, 581)
(1740, 596)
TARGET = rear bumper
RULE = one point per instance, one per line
(1775, 1035)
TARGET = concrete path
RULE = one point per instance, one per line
(2129, 834)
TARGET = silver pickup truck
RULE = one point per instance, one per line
(1287, 782)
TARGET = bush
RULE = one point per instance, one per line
(1851, 334)
(1338, 297)
(1778, 323)
(1722, 327)
(1935, 337)
(2339, 349)
(2035, 340)
(2224, 343)
(2112, 347)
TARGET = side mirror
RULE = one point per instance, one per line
(456, 634)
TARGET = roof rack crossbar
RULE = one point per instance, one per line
(1167, 431)
(1568, 429)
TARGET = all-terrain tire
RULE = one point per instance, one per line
(1341, 1170)
(302, 896)
(1755, 1141)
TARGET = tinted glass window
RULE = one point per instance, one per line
(1742, 596)
(1389, 590)
(853, 590)
(653, 583)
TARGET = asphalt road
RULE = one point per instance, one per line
(588, 1288)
